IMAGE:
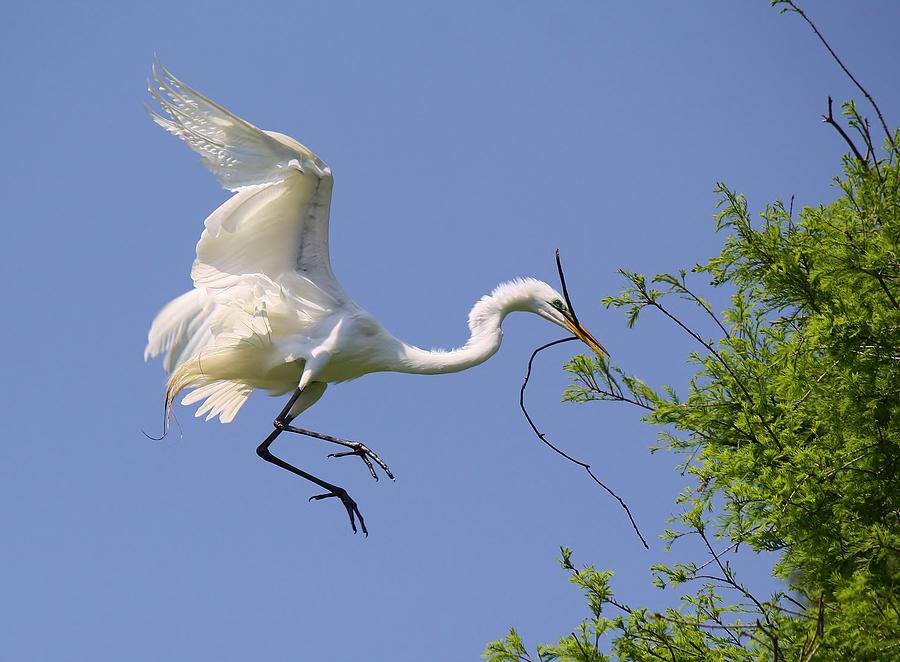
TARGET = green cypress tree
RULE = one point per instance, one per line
(791, 427)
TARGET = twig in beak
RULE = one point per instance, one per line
(562, 281)
(543, 437)
(583, 334)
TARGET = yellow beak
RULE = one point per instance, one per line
(585, 336)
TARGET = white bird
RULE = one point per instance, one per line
(266, 311)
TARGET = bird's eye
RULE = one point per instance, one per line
(559, 305)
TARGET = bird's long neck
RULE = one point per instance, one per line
(485, 320)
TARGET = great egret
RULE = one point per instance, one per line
(266, 311)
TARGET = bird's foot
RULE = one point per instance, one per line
(349, 504)
(366, 455)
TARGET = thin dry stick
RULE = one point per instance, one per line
(834, 55)
(829, 119)
(544, 439)
(562, 281)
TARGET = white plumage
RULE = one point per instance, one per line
(266, 311)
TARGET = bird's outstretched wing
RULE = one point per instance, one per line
(234, 150)
(276, 226)
(262, 277)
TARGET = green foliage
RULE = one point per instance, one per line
(790, 428)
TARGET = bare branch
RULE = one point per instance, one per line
(829, 119)
(834, 55)
(543, 438)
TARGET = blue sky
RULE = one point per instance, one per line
(468, 140)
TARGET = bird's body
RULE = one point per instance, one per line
(277, 329)
(266, 311)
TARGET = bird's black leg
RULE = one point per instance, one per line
(333, 490)
(283, 424)
(356, 448)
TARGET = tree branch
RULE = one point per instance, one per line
(543, 438)
(829, 119)
(721, 360)
(834, 55)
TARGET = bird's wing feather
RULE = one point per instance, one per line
(221, 398)
(273, 235)
(262, 276)
(180, 329)
(237, 152)
(276, 226)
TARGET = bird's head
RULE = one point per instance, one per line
(555, 307)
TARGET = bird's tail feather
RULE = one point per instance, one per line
(221, 397)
